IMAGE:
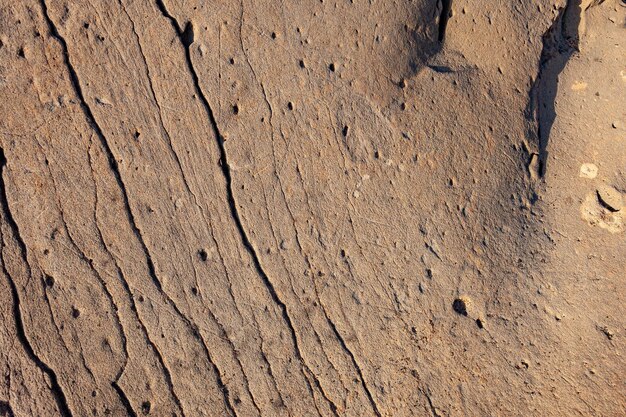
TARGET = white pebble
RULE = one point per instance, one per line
(588, 170)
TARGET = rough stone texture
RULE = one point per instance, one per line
(316, 207)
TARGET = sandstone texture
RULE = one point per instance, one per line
(312, 208)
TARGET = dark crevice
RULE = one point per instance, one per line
(57, 392)
(187, 39)
(124, 399)
(342, 342)
(560, 42)
(431, 406)
(606, 204)
(446, 13)
(158, 105)
(133, 305)
(184, 39)
(5, 409)
(89, 262)
(92, 121)
(186, 36)
(115, 169)
(318, 385)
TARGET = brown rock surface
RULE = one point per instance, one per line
(317, 207)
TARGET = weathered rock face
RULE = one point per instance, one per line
(335, 207)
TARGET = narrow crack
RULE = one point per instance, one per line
(116, 171)
(186, 38)
(444, 17)
(157, 104)
(166, 372)
(269, 367)
(89, 262)
(92, 121)
(124, 399)
(344, 346)
(330, 402)
(57, 392)
(431, 405)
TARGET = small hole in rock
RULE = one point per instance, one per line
(187, 36)
(194, 290)
(49, 281)
(203, 255)
(290, 105)
(75, 312)
(460, 306)
(273, 35)
(86, 25)
(21, 53)
(137, 134)
(344, 132)
(302, 64)
(331, 67)
(479, 323)
(235, 109)
(145, 407)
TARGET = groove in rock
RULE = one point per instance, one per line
(92, 121)
(560, 42)
(331, 404)
(186, 38)
(166, 372)
(114, 167)
(57, 392)
(433, 410)
(342, 342)
(124, 399)
(446, 11)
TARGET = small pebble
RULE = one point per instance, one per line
(588, 170)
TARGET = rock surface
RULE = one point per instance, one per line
(312, 208)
